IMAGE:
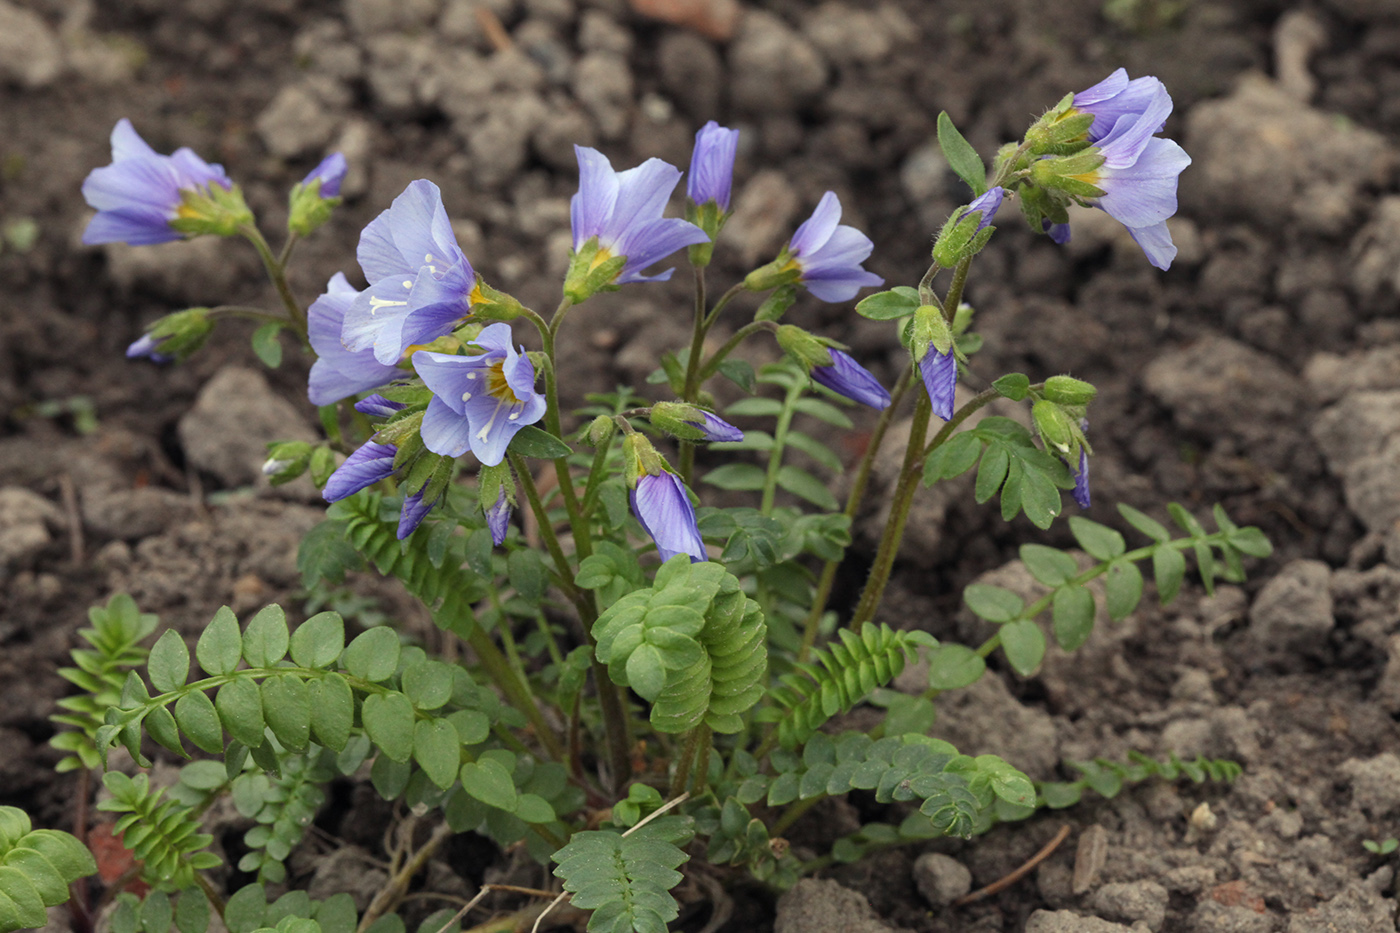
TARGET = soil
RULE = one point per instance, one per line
(1262, 371)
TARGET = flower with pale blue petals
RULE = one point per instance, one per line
(479, 402)
(617, 225)
(716, 429)
(330, 173)
(848, 378)
(1081, 475)
(147, 346)
(366, 466)
(498, 518)
(1115, 97)
(413, 512)
(940, 375)
(711, 175)
(420, 283)
(338, 372)
(1060, 233)
(663, 508)
(142, 192)
(823, 254)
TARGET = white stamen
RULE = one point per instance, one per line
(514, 415)
(376, 303)
(428, 257)
(471, 375)
(466, 396)
(407, 283)
(486, 428)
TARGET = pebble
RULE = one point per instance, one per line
(1067, 921)
(813, 906)
(1292, 618)
(941, 879)
(132, 514)
(30, 54)
(25, 520)
(296, 122)
(773, 67)
(603, 84)
(1130, 902)
(691, 73)
(1375, 783)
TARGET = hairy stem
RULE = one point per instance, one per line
(277, 272)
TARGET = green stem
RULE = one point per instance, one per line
(692, 370)
(504, 676)
(700, 734)
(241, 311)
(583, 536)
(853, 500)
(793, 813)
(725, 299)
(953, 300)
(596, 474)
(775, 456)
(712, 364)
(277, 272)
(551, 541)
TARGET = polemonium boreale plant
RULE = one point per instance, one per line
(654, 657)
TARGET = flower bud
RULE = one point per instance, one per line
(173, 337)
(690, 423)
(930, 331)
(601, 431)
(316, 195)
(1066, 390)
(1055, 427)
(286, 460)
(776, 304)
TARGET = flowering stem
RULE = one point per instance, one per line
(251, 314)
(724, 299)
(775, 456)
(858, 487)
(692, 370)
(955, 290)
(698, 737)
(712, 364)
(277, 272)
(596, 474)
(583, 538)
(501, 673)
(551, 540)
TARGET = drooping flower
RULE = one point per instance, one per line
(1081, 480)
(413, 512)
(330, 172)
(617, 215)
(421, 284)
(366, 466)
(479, 402)
(377, 406)
(147, 346)
(693, 423)
(663, 508)
(940, 374)
(847, 377)
(711, 175)
(339, 372)
(498, 518)
(1114, 97)
(716, 429)
(142, 191)
(173, 337)
(828, 254)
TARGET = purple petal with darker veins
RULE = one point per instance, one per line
(711, 175)
(1081, 480)
(331, 173)
(339, 372)
(1156, 243)
(848, 378)
(988, 203)
(664, 511)
(597, 195)
(1143, 194)
(363, 468)
(717, 430)
(444, 431)
(817, 229)
(377, 406)
(498, 519)
(654, 242)
(412, 515)
(940, 375)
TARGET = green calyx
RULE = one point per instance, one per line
(1075, 175)
(1061, 130)
(307, 210)
(180, 334)
(492, 481)
(489, 304)
(678, 420)
(640, 459)
(960, 238)
(806, 349)
(601, 431)
(785, 270)
(212, 209)
(710, 218)
(1054, 425)
(286, 460)
(592, 269)
(776, 304)
(930, 330)
(1066, 390)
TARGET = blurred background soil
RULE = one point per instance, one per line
(1262, 371)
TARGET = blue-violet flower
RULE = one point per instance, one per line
(421, 284)
(142, 191)
(479, 402)
(330, 172)
(1115, 97)
(663, 508)
(338, 372)
(623, 210)
(711, 175)
(377, 406)
(940, 375)
(847, 377)
(828, 253)
(498, 518)
(366, 466)
(989, 202)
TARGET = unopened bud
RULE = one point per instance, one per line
(1055, 427)
(803, 347)
(601, 431)
(1067, 390)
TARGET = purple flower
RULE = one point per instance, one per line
(1139, 177)
(147, 346)
(479, 402)
(829, 254)
(331, 172)
(712, 165)
(1060, 233)
(377, 406)
(988, 203)
(623, 210)
(847, 377)
(1115, 97)
(662, 506)
(338, 372)
(940, 375)
(716, 428)
(498, 518)
(412, 514)
(366, 466)
(421, 284)
(141, 192)
(1081, 480)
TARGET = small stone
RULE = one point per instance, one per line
(1357, 909)
(1220, 382)
(691, 73)
(1291, 619)
(1089, 858)
(296, 122)
(1067, 921)
(603, 84)
(941, 879)
(772, 67)
(764, 210)
(1375, 783)
(233, 419)
(1357, 427)
(30, 54)
(1330, 376)
(347, 869)
(1375, 271)
(132, 514)
(375, 17)
(846, 34)
(1130, 902)
(599, 32)
(813, 906)
(187, 272)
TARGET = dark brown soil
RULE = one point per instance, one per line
(1262, 371)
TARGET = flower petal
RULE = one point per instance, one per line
(445, 431)
(817, 229)
(1143, 194)
(642, 193)
(597, 193)
(127, 143)
(847, 377)
(1156, 243)
(940, 375)
(498, 518)
(395, 242)
(412, 515)
(655, 241)
(663, 508)
(366, 466)
(711, 176)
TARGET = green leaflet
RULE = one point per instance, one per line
(626, 880)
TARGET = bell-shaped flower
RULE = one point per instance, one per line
(823, 254)
(366, 466)
(617, 224)
(1115, 97)
(988, 202)
(847, 377)
(711, 175)
(693, 423)
(479, 402)
(330, 173)
(420, 283)
(142, 192)
(663, 508)
(940, 374)
(339, 372)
